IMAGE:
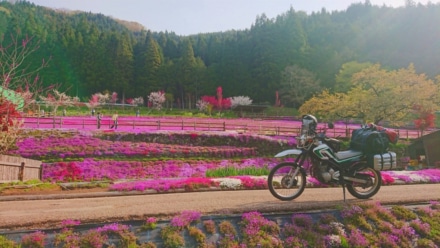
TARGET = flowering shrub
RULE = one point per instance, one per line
(34, 240)
(185, 219)
(157, 99)
(259, 231)
(150, 224)
(228, 235)
(240, 100)
(172, 237)
(197, 234)
(203, 106)
(138, 101)
(209, 226)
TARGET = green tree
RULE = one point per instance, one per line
(186, 69)
(344, 77)
(297, 85)
(378, 95)
(148, 63)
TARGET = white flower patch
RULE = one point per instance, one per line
(229, 183)
(413, 175)
(338, 226)
(334, 240)
(419, 178)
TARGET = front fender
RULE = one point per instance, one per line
(289, 152)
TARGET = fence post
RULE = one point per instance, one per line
(158, 125)
(194, 125)
(21, 172)
(83, 122)
(134, 124)
(182, 124)
(38, 121)
(224, 126)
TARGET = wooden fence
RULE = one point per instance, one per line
(264, 127)
(19, 169)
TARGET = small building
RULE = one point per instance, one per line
(427, 146)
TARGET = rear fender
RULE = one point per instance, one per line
(289, 152)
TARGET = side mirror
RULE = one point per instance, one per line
(330, 125)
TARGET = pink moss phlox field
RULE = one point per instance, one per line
(85, 146)
(252, 183)
(72, 156)
(189, 184)
(164, 185)
(387, 179)
(90, 169)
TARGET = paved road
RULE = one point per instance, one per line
(47, 213)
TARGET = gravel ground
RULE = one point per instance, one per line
(47, 211)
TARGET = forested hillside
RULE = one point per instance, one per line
(92, 53)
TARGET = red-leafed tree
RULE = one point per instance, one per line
(219, 97)
(219, 102)
(425, 119)
(10, 124)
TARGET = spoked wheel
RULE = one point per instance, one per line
(283, 184)
(365, 190)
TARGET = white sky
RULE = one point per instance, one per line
(185, 17)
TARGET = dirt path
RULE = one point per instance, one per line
(50, 212)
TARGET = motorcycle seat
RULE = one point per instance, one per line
(348, 154)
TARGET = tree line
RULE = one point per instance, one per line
(296, 54)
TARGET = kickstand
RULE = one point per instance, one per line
(343, 191)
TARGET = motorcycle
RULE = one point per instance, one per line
(319, 156)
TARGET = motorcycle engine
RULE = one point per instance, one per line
(323, 172)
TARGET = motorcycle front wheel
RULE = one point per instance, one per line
(368, 189)
(283, 184)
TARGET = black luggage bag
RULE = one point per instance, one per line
(369, 141)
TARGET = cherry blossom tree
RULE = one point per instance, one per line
(157, 99)
(14, 73)
(55, 99)
(203, 106)
(93, 102)
(240, 100)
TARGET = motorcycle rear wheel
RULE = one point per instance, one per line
(280, 181)
(365, 191)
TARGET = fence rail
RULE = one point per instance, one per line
(264, 127)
